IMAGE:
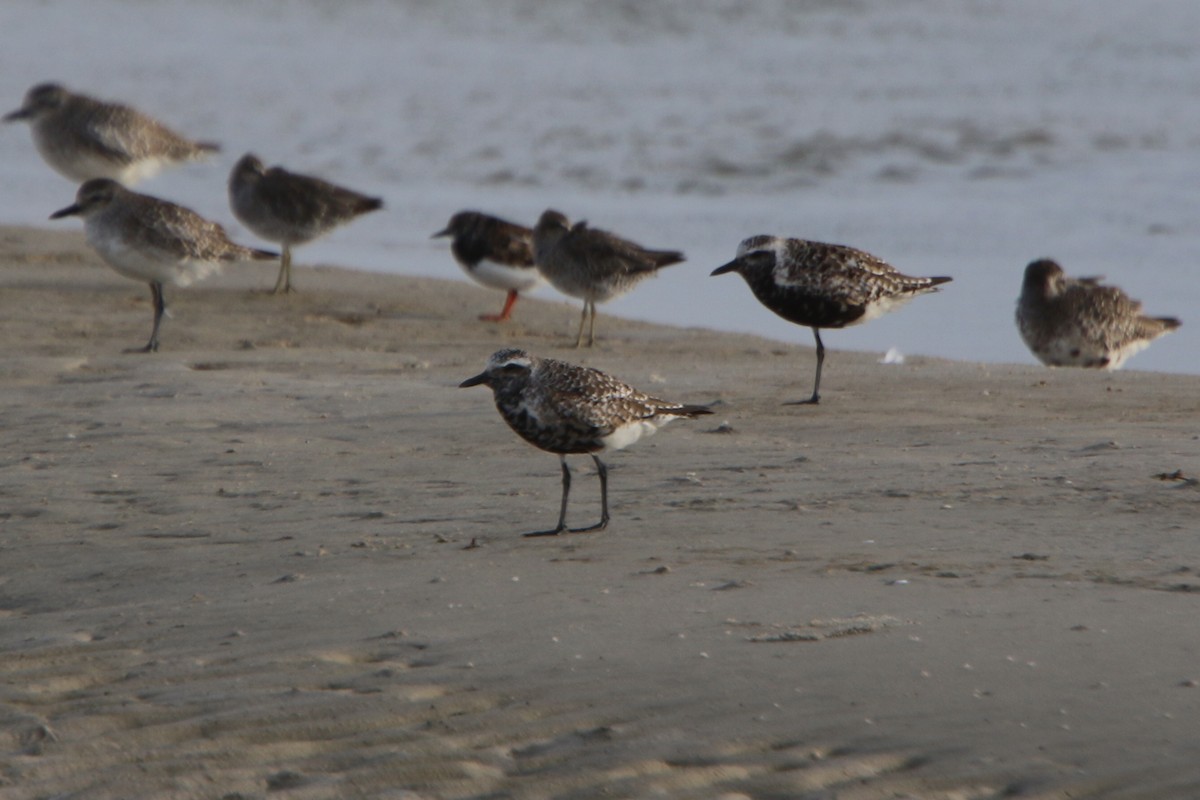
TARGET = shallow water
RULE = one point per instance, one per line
(949, 138)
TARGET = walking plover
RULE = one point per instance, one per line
(822, 285)
(1077, 322)
(84, 138)
(152, 240)
(290, 208)
(495, 252)
(565, 409)
(592, 264)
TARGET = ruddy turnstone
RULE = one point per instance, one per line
(496, 253)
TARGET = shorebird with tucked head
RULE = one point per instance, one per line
(592, 264)
(152, 240)
(1078, 322)
(566, 409)
(822, 285)
(496, 253)
(289, 208)
(84, 138)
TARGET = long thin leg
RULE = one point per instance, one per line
(503, 316)
(816, 397)
(160, 307)
(592, 327)
(562, 512)
(582, 319)
(602, 470)
(284, 282)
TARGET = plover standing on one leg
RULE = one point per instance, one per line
(152, 240)
(565, 409)
(290, 208)
(592, 264)
(496, 253)
(84, 138)
(1077, 322)
(822, 285)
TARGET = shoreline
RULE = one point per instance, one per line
(282, 557)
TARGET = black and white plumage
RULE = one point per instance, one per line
(567, 409)
(289, 208)
(84, 138)
(1077, 322)
(496, 253)
(822, 285)
(153, 240)
(592, 264)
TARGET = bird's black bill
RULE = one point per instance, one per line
(479, 379)
(70, 210)
(721, 270)
(19, 114)
(442, 232)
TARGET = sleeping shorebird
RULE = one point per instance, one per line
(152, 240)
(565, 409)
(592, 264)
(84, 138)
(822, 285)
(1077, 322)
(496, 253)
(289, 208)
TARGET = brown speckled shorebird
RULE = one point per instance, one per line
(1077, 322)
(152, 240)
(84, 138)
(496, 253)
(290, 209)
(565, 409)
(822, 285)
(592, 264)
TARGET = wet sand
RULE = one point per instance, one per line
(282, 558)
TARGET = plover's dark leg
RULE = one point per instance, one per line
(284, 282)
(602, 471)
(160, 307)
(816, 397)
(506, 313)
(562, 513)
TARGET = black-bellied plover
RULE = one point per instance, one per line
(566, 409)
(592, 264)
(822, 285)
(152, 240)
(495, 252)
(1077, 322)
(84, 138)
(289, 208)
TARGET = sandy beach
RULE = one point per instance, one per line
(282, 558)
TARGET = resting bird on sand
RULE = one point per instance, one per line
(1077, 322)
